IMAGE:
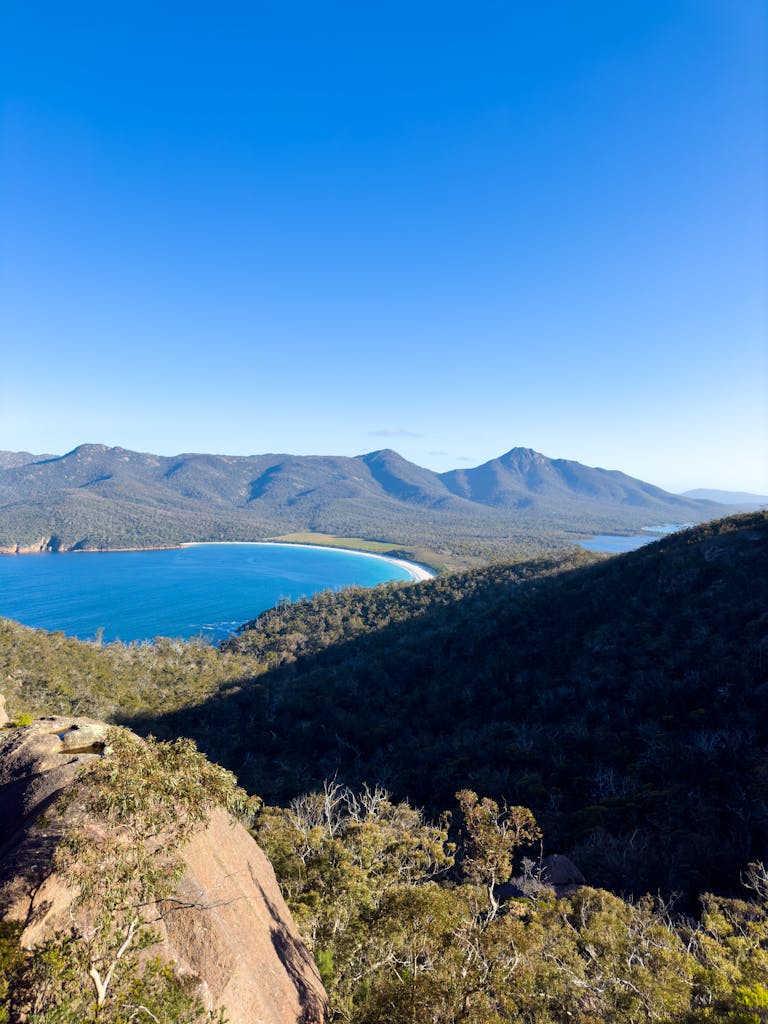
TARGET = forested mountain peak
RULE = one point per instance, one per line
(521, 456)
(88, 449)
(522, 478)
(100, 497)
(10, 460)
(405, 480)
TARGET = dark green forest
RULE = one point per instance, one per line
(621, 703)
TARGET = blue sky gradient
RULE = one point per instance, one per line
(448, 229)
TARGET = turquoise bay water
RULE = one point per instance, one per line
(201, 590)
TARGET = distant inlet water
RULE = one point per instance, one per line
(203, 590)
(616, 543)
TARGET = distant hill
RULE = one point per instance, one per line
(9, 460)
(523, 478)
(96, 497)
(741, 498)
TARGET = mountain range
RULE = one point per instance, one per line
(97, 497)
(744, 499)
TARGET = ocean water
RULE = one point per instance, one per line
(201, 590)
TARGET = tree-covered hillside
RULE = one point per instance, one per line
(623, 700)
(615, 707)
(626, 702)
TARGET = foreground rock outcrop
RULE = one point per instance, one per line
(230, 933)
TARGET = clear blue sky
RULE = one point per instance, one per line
(445, 228)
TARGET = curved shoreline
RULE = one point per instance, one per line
(408, 572)
(417, 572)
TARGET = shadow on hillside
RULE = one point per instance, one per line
(332, 712)
(625, 703)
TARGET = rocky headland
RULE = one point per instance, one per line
(225, 929)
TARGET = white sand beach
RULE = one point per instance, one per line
(417, 572)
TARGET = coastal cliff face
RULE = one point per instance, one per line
(54, 543)
(226, 929)
(42, 544)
